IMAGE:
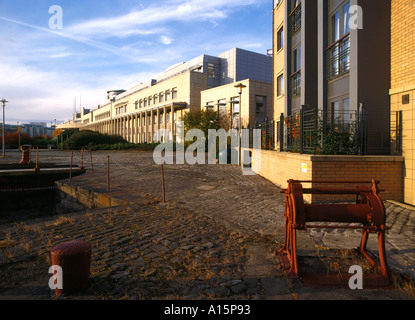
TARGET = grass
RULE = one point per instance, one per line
(7, 242)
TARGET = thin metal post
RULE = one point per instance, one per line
(37, 159)
(92, 163)
(70, 168)
(3, 133)
(302, 130)
(108, 173)
(282, 118)
(82, 158)
(163, 183)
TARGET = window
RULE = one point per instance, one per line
(276, 3)
(174, 94)
(210, 106)
(297, 59)
(335, 27)
(338, 54)
(406, 99)
(346, 110)
(280, 85)
(260, 106)
(235, 106)
(280, 39)
(211, 70)
(168, 95)
(295, 17)
(346, 18)
(161, 96)
(222, 106)
(155, 99)
(335, 110)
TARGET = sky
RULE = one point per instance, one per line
(57, 55)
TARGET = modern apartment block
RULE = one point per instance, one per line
(402, 88)
(334, 55)
(137, 113)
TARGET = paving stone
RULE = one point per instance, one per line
(216, 242)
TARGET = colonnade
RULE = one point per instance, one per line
(139, 127)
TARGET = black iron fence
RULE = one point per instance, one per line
(335, 133)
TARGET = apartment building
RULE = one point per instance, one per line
(402, 89)
(336, 57)
(255, 102)
(137, 113)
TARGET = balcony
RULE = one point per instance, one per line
(295, 84)
(295, 20)
(338, 58)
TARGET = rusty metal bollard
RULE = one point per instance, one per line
(26, 152)
(74, 258)
(368, 212)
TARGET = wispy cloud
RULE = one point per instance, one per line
(143, 20)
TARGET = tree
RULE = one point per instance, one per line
(202, 120)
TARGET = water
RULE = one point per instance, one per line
(23, 206)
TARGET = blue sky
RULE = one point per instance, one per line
(106, 45)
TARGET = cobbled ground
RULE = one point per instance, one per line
(213, 238)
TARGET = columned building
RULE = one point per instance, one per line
(138, 113)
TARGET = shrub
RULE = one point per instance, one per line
(85, 138)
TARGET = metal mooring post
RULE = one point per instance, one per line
(92, 163)
(82, 158)
(37, 159)
(162, 179)
(108, 173)
(70, 168)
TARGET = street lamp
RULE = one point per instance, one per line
(3, 101)
(240, 87)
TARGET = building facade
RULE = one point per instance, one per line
(255, 102)
(138, 113)
(402, 88)
(336, 57)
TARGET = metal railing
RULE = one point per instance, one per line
(333, 133)
(338, 57)
(295, 19)
(295, 84)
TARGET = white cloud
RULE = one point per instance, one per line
(143, 20)
(166, 40)
(41, 95)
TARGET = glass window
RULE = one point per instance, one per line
(280, 39)
(235, 106)
(260, 106)
(346, 110)
(174, 94)
(335, 24)
(280, 85)
(335, 109)
(211, 70)
(346, 18)
(297, 59)
(161, 97)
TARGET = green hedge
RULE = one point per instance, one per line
(122, 146)
(85, 138)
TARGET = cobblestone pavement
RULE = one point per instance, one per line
(213, 238)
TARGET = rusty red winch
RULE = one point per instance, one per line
(367, 214)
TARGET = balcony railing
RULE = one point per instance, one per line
(338, 58)
(295, 84)
(295, 19)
